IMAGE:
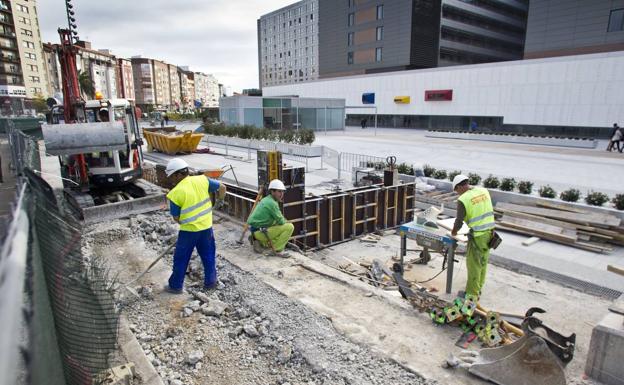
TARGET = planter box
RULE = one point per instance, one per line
(517, 139)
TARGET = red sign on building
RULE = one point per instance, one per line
(438, 95)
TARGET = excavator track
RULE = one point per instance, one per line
(99, 206)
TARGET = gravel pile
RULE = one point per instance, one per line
(248, 333)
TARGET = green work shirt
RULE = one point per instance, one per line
(266, 214)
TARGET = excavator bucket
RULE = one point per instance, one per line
(528, 361)
(82, 138)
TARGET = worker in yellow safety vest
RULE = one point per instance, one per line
(474, 206)
(191, 206)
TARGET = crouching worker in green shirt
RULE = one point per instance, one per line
(269, 229)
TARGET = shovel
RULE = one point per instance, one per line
(160, 256)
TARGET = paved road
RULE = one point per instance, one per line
(560, 167)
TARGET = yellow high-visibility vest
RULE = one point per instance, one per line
(479, 210)
(193, 198)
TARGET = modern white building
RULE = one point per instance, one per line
(572, 95)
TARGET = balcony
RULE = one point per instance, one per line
(10, 71)
(9, 58)
(7, 34)
(11, 46)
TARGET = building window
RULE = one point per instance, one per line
(616, 20)
(379, 33)
(350, 39)
(28, 44)
(34, 79)
(23, 20)
(26, 32)
(351, 19)
(349, 58)
(22, 8)
(378, 54)
(33, 68)
(30, 55)
(380, 12)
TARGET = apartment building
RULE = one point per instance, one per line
(187, 88)
(12, 89)
(175, 92)
(30, 47)
(125, 79)
(288, 48)
(206, 89)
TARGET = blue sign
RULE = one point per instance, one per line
(368, 98)
(197, 104)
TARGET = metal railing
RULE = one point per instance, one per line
(350, 160)
(300, 153)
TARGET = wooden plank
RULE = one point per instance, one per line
(549, 221)
(615, 269)
(561, 207)
(449, 223)
(586, 219)
(541, 227)
(519, 230)
(540, 233)
(530, 241)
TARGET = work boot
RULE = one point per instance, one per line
(257, 246)
(280, 254)
(171, 290)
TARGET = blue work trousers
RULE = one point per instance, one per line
(204, 241)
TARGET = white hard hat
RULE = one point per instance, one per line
(458, 179)
(175, 164)
(277, 184)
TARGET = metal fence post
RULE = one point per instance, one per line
(322, 155)
(339, 164)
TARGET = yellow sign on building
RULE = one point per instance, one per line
(402, 99)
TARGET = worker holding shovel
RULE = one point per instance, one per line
(191, 207)
(268, 226)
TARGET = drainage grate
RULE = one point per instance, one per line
(563, 280)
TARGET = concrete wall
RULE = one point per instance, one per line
(578, 91)
(558, 27)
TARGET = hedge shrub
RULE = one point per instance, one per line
(439, 174)
(570, 195)
(491, 182)
(453, 174)
(302, 136)
(618, 201)
(428, 170)
(547, 192)
(596, 198)
(525, 187)
(474, 179)
(508, 184)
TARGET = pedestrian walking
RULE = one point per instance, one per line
(363, 123)
(166, 119)
(616, 139)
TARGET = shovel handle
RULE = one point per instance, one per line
(246, 225)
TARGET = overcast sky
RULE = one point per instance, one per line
(211, 36)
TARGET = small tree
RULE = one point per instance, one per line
(453, 174)
(428, 170)
(547, 192)
(39, 104)
(439, 174)
(570, 195)
(491, 182)
(596, 198)
(86, 84)
(474, 179)
(508, 184)
(618, 201)
(525, 187)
